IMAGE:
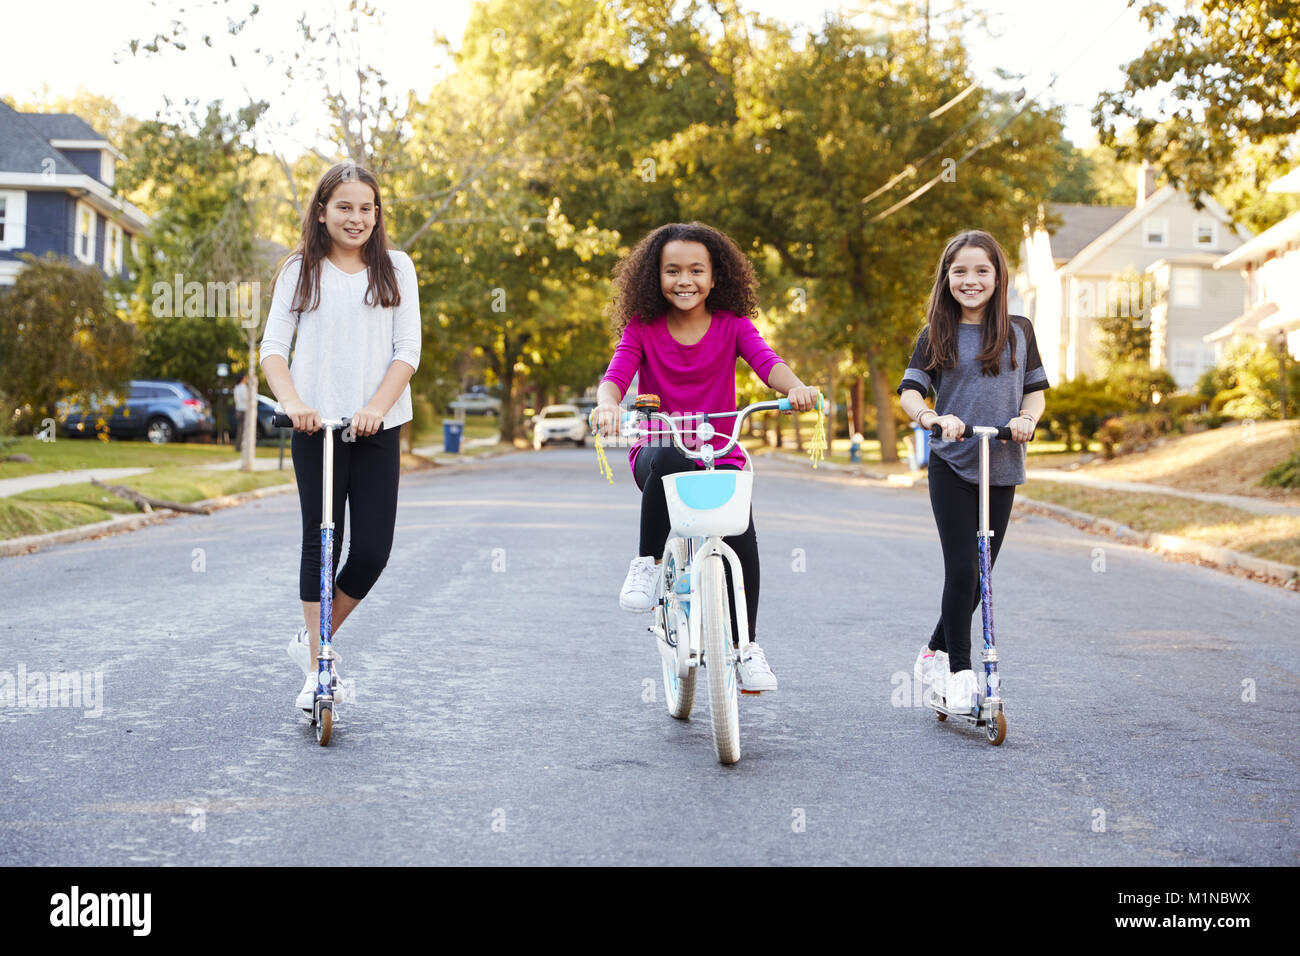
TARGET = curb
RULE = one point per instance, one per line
(1212, 555)
(99, 529)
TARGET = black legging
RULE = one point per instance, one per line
(365, 476)
(956, 505)
(651, 465)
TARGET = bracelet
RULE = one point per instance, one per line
(921, 414)
(1032, 420)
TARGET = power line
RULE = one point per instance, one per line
(911, 168)
(926, 187)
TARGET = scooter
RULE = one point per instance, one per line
(324, 704)
(987, 709)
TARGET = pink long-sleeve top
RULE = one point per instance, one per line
(691, 379)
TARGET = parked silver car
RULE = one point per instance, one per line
(477, 403)
(559, 423)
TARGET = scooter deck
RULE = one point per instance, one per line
(979, 717)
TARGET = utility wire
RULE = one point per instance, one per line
(927, 186)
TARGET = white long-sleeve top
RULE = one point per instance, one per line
(345, 347)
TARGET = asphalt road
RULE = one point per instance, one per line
(507, 712)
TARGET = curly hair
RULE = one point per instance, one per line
(639, 294)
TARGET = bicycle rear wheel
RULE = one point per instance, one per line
(719, 660)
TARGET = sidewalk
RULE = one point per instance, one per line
(428, 451)
(1259, 506)
(50, 479)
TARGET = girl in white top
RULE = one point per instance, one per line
(354, 303)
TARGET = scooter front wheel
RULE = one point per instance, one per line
(325, 725)
(997, 728)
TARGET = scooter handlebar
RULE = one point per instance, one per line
(281, 420)
(1003, 433)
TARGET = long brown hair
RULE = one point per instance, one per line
(944, 313)
(640, 294)
(315, 244)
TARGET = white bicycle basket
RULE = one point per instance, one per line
(706, 503)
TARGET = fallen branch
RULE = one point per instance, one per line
(145, 503)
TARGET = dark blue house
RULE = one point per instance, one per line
(57, 195)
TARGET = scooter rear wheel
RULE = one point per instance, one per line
(941, 716)
(997, 729)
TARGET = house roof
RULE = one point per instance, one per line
(1245, 324)
(1080, 225)
(1132, 217)
(24, 148)
(62, 126)
(1273, 239)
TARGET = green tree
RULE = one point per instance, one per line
(1225, 73)
(190, 172)
(60, 337)
(840, 157)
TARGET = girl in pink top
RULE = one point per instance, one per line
(686, 294)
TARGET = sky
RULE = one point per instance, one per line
(1086, 46)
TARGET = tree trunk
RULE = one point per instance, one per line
(886, 427)
(830, 399)
(855, 404)
(249, 450)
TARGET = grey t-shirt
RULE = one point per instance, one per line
(979, 399)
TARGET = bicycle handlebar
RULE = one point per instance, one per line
(708, 453)
(1003, 433)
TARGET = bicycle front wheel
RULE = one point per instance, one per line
(720, 662)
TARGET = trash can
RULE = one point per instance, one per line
(921, 450)
(451, 432)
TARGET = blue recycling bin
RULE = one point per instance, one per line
(920, 447)
(451, 432)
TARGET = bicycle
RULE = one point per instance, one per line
(693, 623)
(326, 698)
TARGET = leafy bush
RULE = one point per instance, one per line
(1133, 432)
(1076, 409)
(1285, 474)
(1247, 383)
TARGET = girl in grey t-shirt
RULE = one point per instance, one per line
(983, 368)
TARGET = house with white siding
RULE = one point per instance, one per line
(1153, 262)
(57, 194)
(1269, 265)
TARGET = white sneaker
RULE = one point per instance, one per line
(638, 592)
(939, 674)
(754, 672)
(961, 692)
(307, 696)
(923, 669)
(300, 652)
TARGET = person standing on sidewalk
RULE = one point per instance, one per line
(354, 303)
(984, 369)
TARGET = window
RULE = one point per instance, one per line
(1185, 287)
(13, 219)
(113, 249)
(84, 246)
(1155, 231)
(1206, 233)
